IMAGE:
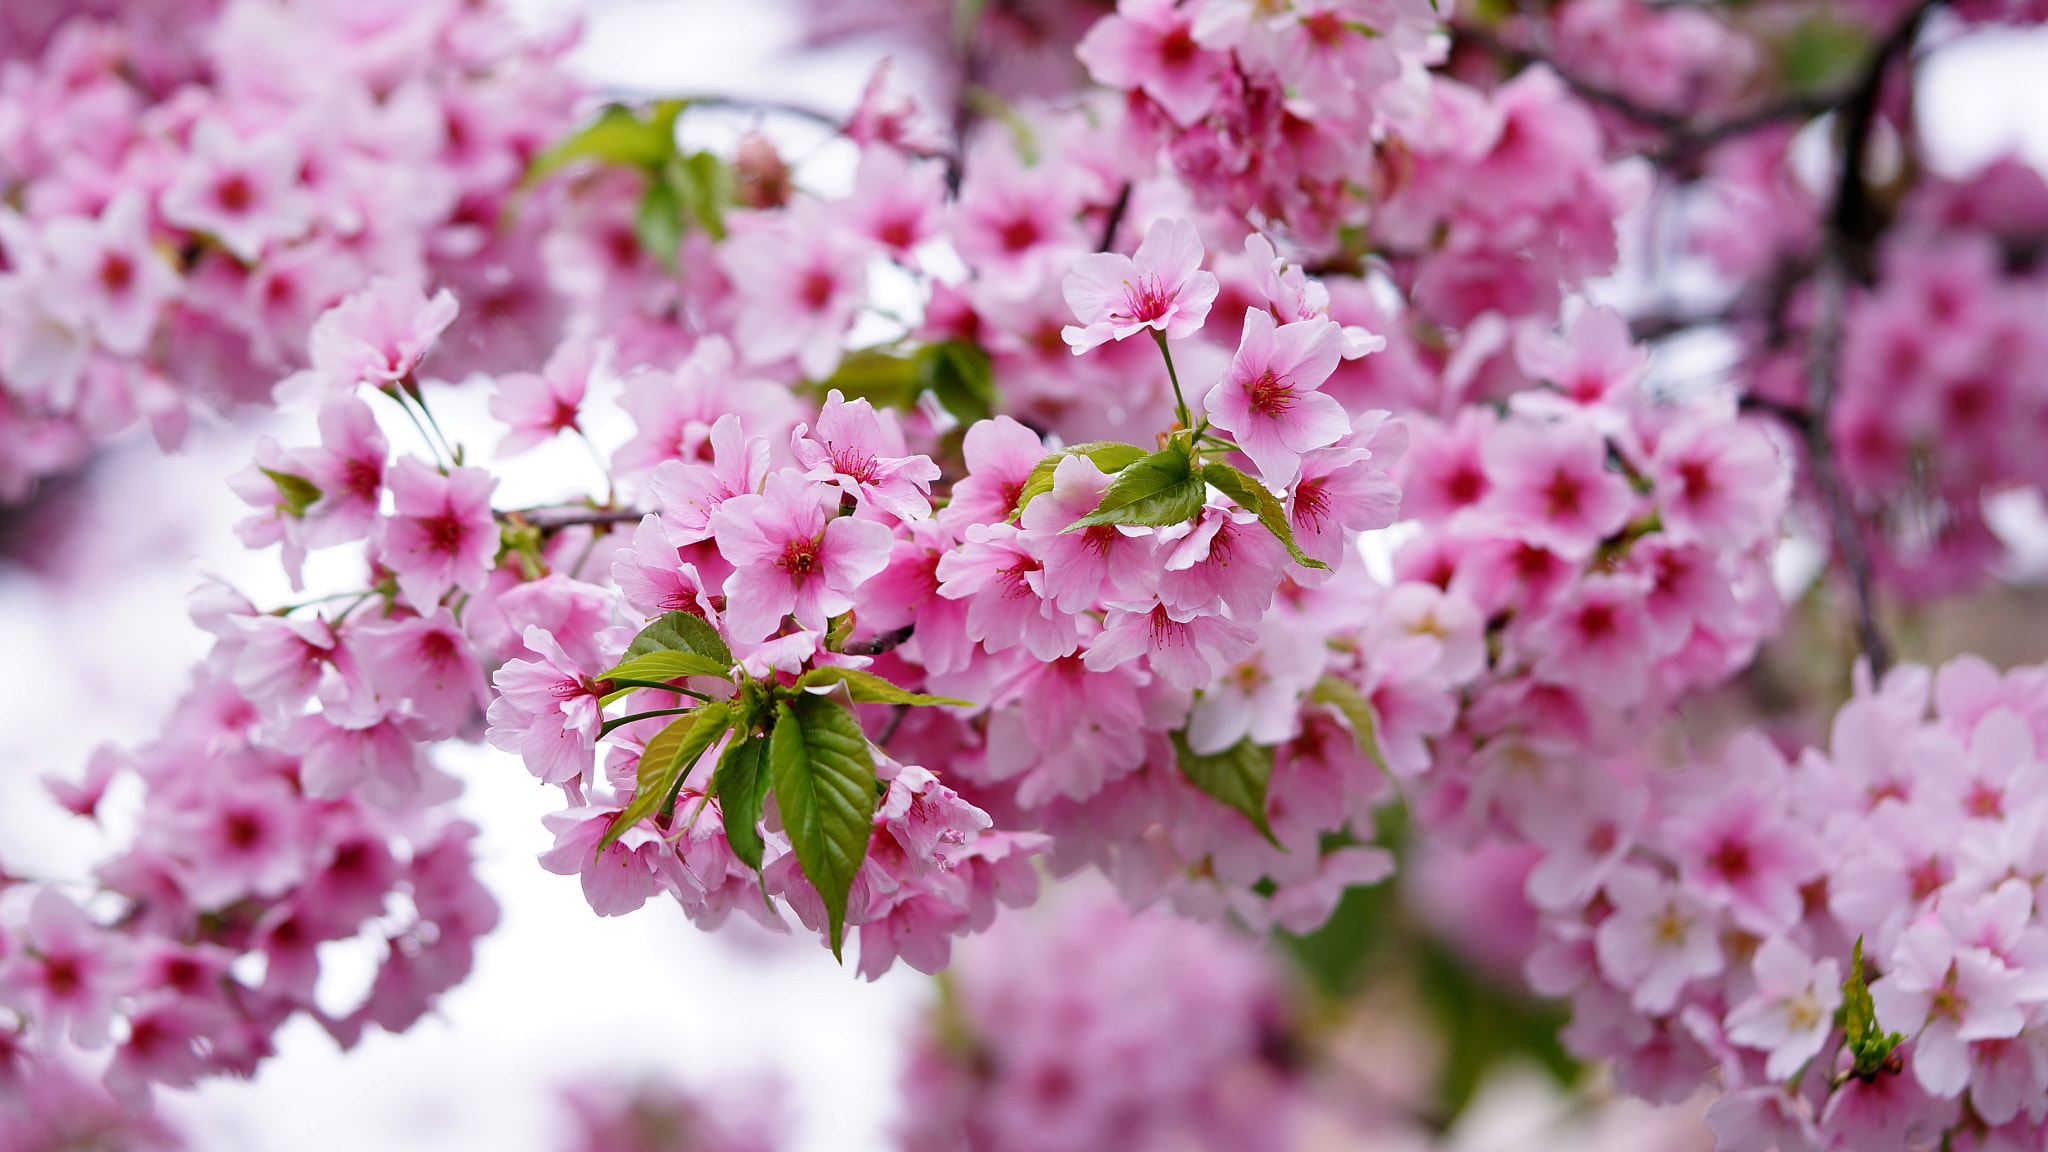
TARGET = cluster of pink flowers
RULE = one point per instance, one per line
(1104, 1029)
(1599, 553)
(613, 1114)
(190, 184)
(1714, 917)
(1265, 110)
(266, 831)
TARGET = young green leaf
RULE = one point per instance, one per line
(741, 785)
(667, 665)
(959, 374)
(881, 378)
(1158, 490)
(666, 762)
(705, 187)
(299, 493)
(619, 135)
(681, 631)
(868, 688)
(658, 225)
(1869, 1046)
(824, 779)
(1254, 497)
(1109, 455)
(1235, 777)
(1345, 697)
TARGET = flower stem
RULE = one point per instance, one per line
(1180, 403)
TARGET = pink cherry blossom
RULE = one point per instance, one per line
(244, 192)
(1268, 399)
(377, 337)
(1793, 1008)
(1162, 288)
(857, 450)
(110, 273)
(789, 558)
(1102, 562)
(67, 976)
(690, 492)
(537, 406)
(547, 711)
(442, 533)
(1004, 585)
(1185, 648)
(1150, 45)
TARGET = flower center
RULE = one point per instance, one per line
(1270, 395)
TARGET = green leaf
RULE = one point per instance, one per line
(667, 665)
(299, 493)
(882, 379)
(681, 631)
(666, 762)
(868, 688)
(705, 188)
(1870, 1046)
(1158, 490)
(1109, 455)
(1235, 777)
(1255, 497)
(959, 374)
(1345, 697)
(658, 225)
(741, 785)
(824, 779)
(619, 135)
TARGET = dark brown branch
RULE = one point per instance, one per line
(1684, 137)
(1116, 218)
(1847, 250)
(555, 519)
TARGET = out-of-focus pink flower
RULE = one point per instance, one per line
(377, 337)
(69, 972)
(537, 406)
(108, 271)
(1150, 45)
(1793, 1008)
(243, 192)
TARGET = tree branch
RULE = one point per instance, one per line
(568, 515)
(1847, 249)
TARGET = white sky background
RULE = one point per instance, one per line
(559, 995)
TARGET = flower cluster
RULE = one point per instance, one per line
(1851, 937)
(1104, 1029)
(190, 184)
(266, 832)
(1266, 110)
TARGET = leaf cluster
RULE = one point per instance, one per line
(684, 189)
(800, 741)
(956, 372)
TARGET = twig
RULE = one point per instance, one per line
(552, 519)
(880, 644)
(1684, 136)
(1847, 249)
(1116, 218)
